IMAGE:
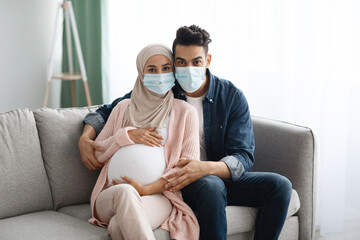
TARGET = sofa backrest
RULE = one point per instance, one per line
(289, 150)
(24, 185)
(59, 131)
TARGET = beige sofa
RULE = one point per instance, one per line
(45, 188)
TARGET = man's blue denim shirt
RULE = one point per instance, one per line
(228, 128)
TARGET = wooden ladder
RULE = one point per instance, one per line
(70, 76)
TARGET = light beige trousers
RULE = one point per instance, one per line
(129, 215)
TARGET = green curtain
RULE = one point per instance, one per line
(88, 21)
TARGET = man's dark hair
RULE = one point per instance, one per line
(193, 35)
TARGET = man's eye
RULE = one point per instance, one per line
(180, 62)
(197, 62)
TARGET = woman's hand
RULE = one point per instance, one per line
(154, 188)
(138, 186)
(145, 136)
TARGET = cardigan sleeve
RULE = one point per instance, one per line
(112, 138)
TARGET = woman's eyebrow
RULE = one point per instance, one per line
(151, 66)
(166, 64)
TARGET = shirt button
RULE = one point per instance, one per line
(220, 126)
(211, 100)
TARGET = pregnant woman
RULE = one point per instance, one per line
(143, 138)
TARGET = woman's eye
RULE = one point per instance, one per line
(152, 70)
(166, 69)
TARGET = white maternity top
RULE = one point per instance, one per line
(140, 162)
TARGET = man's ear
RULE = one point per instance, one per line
(208, 60)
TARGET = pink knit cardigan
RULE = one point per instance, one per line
(182, 142)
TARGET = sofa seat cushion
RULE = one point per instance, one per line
(47, 225)
(83, 212)
(290, 231)
(80, 211)
(242, 219)
(24, 185)
(239, 219)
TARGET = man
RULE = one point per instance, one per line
(223, 175)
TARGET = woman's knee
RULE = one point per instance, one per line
(157, 208)
(123, 192)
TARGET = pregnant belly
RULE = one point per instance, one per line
(142, 163)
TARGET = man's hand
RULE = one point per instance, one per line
(138, 186)
(87, 148)
(190, 171)
(145, 136)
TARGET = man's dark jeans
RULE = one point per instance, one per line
(270, 192)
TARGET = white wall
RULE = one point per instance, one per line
(26, 29)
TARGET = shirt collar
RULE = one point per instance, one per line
(210, 93)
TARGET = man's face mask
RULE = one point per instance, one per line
(159, 83)
(190, 78)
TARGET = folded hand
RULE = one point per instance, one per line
(145, 136)
(138, 186)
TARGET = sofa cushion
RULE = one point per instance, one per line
(242, 219)
(24, 185)
(49, 225)
(81, 211)
(290, 231)
(161, 234)
(59, 130)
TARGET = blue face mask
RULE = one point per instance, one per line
(190, 78)
(159, 83)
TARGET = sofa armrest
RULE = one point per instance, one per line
(289, 150)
